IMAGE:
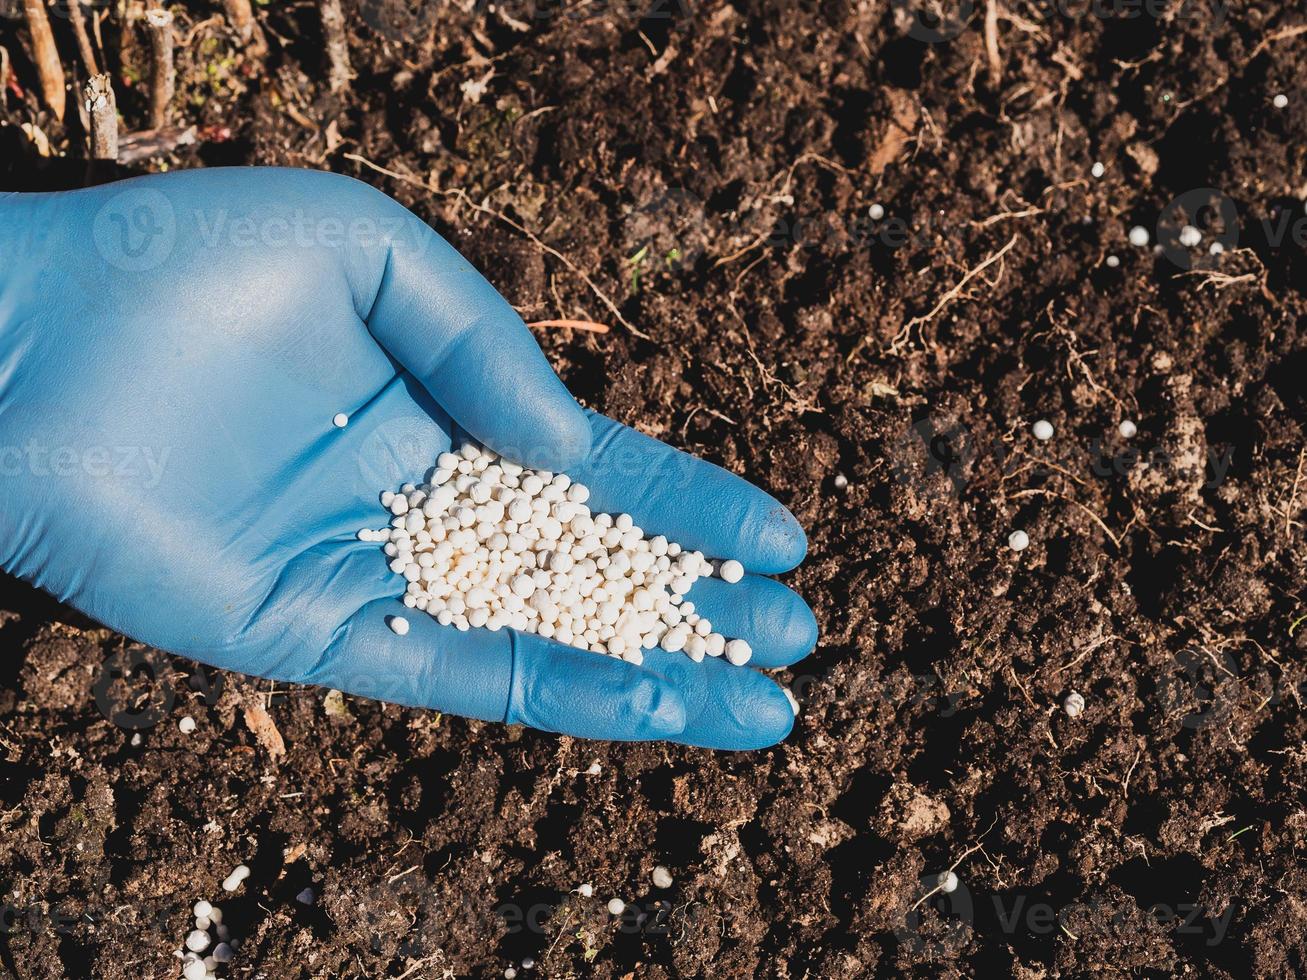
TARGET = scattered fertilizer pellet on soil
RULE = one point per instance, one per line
(1018, 540)
(1043, 430)
(1074, 704)
(186, 725)
(1113, 261)
(1216, 248)
(616, 906)
(1127, 428)
(1139, 236)
(876, 212)
(238, 875)
(1097, 169)
(841, 481)
(528, 963)
(340, 420)
(586, 891)
(510, 973)
(595, 769)
(948, 882)
(1190, 237)
(1281, 101)
(490, 544)
(661, 877)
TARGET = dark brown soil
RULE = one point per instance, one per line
(711, 170)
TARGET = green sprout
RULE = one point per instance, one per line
(636, 262)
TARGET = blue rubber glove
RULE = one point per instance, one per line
(173, 350)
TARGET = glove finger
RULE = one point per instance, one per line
(562, 689)
(771, 617)
(497, 676)
(726, 707)
(691, 501)
(448, 326)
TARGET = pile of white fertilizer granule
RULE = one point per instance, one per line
(488, 543)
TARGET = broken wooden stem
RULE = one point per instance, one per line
(45, 54)
(163, 74)
(333, 29)
(102, 107)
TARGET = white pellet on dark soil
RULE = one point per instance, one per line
(1043, 430)
(1139, 236)
(948, 882)
(208, 945)
(490, 544)
(238, 875)
(1127, 429)
(1074, 704)
(661, 877)
(1018, 540)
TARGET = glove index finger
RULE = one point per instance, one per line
(440, 318)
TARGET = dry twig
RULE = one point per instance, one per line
(991, 43)
(102, 107)
(333, 29)
(45, 53)
(78, 21)
(586, 325)
(163, 73)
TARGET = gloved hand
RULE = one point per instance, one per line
(172, 352)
